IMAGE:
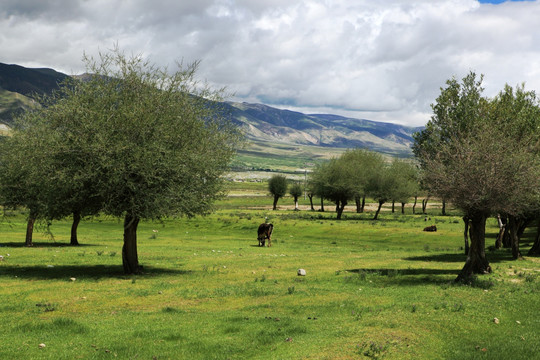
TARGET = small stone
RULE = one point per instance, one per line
(288, 339)
(1, 258)
(495, 320)
(41, 346)
(72, 279)
(301, 272)
(518, 322)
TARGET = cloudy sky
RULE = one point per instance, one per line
(379, 60)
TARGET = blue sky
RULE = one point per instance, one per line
(377, 60)
(498, 1)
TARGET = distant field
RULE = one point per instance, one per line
(260, 159)
(373, 289)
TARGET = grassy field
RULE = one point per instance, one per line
(373, 289)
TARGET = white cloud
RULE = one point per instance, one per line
(377, 60)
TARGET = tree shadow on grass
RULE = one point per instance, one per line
(492, 256)
(44, 245)
(81, 272)
(406, 277)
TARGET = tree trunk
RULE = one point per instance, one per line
(74, 226)
(535, 250)
(393, 206)
(340, 207)
(378, 210)
(296, 203)
(363, 203)
(513, 224)
(414, 205)
(310, 196)
(402, 208)
(424, 205)
(476, 262)
(358, 204)
(30, 228)
(322, 204)
(444, 207)
(466, 234)
(502, 229)
(130, 259)
(337, 206)
(276, 198)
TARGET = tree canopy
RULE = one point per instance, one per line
(130, 140)
(482, 155)
(277, 186)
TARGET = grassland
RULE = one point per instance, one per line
(259, 158)
(373, 289)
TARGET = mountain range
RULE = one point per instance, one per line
(260, 123)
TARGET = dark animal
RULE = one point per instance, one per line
(431, 228)
(265, 232)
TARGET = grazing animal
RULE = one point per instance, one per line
(431, 228)
(265, 232)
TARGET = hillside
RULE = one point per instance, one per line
(265, 123)
(289, 133)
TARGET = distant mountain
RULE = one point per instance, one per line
(27, 81)
(259, 122)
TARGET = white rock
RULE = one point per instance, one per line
(1, 258)
(72, 279)
(495, 320)
(41, 346)
(301, 272)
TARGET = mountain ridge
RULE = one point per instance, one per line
(259, 122)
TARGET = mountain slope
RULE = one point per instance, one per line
(260, 123)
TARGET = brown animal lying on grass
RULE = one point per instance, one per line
(265, 232)
(431, 228)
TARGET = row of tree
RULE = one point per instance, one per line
(131, 141)
(353, 176)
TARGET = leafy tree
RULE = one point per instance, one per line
(317, 182)
(337, 184)
(380, 186)
(296, 191)
(277, 186)
(472, 159)
(154, 143)
(362, 164)
(406, 184)
(21, 183)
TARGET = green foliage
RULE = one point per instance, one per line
(277, 185)
(296, 190)
(481, 154)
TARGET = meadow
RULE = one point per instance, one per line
(373, 289)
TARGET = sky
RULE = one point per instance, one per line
(378, 60)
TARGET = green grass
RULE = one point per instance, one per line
(373, 289)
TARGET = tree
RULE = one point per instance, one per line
(277, 186)
(155, 143)
(20, 181)
(361, 165)
(296, 191)
(405, 177)
(380, 186)
(335, 183)
(470, 158)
